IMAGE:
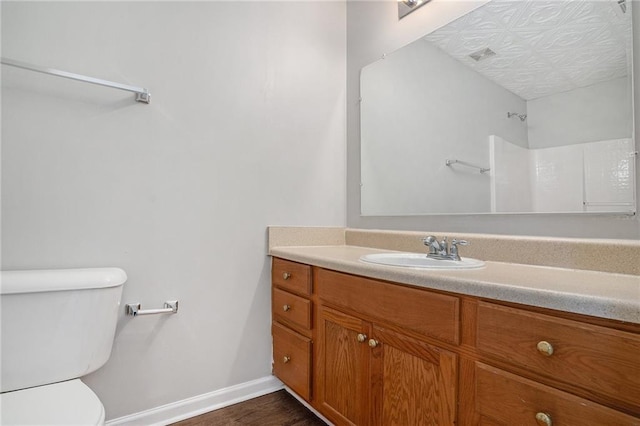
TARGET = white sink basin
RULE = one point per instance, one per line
(419, 260)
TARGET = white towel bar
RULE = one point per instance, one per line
(142, 94)
(464, 163)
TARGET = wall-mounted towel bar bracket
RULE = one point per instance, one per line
(142, 94)
(464, 163)
(170, 307)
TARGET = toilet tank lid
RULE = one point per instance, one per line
(31, 281)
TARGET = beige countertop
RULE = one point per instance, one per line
(601, 294)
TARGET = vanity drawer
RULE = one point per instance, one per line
(291, 308)
(292, 359)
(507, 399)
(428, 313)
(597, 359)
(291, 276)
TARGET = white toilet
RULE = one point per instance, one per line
(56, 326)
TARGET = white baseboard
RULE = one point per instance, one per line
(190, 407)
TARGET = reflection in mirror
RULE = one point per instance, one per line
(517, 107)
(405, 7)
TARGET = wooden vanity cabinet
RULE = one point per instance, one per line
(534, 366)
(368, 375)
(379, 353)
(291, 328)
(342, 358)
(413, 383)
(372, 368)
(597, 359)
(503, 398)
(292, 359)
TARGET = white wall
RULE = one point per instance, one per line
(419, 108)
(246, 129)
(599, 112)
(373, 29)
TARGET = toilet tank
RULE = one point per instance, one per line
(56, 325)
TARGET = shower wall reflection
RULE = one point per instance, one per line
(590, 177)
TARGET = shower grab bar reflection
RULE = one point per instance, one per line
(170, 307)
(142, 94)
(464, 163)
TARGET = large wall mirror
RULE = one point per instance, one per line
(517, 107)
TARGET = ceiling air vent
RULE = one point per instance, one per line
(482, 54)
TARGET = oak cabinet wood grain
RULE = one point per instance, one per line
(291, 309)
(291, 276)
(292, 359)
(368, 372)
(368, 375)
(381, 353)
(292, 332)
(342, 367)
(424, 312)
(412, 382)
(508, 399)
(598, 359)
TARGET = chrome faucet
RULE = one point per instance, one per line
(441, 250)
(436, 248)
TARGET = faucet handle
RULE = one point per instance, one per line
(444, 247)
(454, 247)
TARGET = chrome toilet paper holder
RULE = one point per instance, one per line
(169, 307)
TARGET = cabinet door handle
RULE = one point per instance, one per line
(543, 419)
(361, 337)
(286, 276)
(373, 343)
(545, 348)
(286, 308)
(286, 359)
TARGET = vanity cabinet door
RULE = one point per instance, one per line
(342, 367)
(413, 383)
(385, 378)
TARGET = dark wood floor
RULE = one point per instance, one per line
(275, 409)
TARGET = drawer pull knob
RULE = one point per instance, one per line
(286, 308)
(286, 276)
(373, 343)
(361, 337)
(543, 419)
(545, 348)
(286, 359)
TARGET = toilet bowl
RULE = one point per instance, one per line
(65, 404)
(56, 326)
